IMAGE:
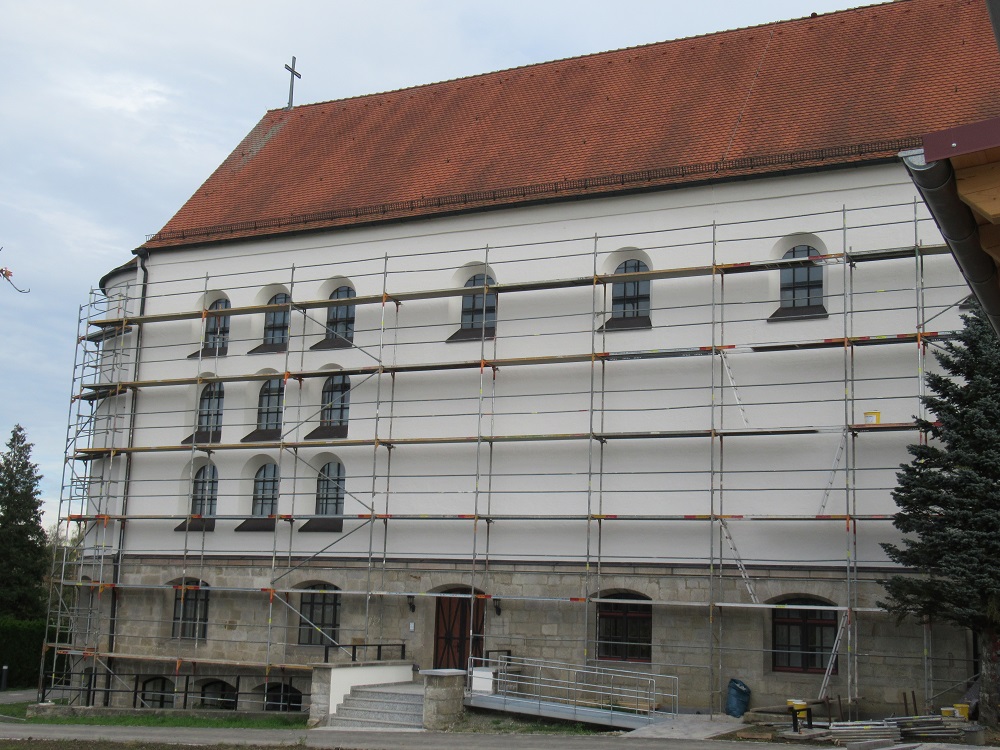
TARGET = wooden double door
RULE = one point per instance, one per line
(456, 636)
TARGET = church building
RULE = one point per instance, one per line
(608, 361)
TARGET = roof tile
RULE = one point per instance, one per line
(832, 89)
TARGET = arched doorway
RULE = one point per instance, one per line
(452, 630)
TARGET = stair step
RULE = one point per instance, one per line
(402, 696)
(375, 703)
(380, 712)
(351, 721)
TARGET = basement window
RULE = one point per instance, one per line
(802, 639)
(625, 629)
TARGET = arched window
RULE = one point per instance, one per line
(339, 322)
(625, 629)
(219, 695)
(329, 499)
(217, 329)
(801, 638)
(801, 285)
(270, 403)
(630, 298)
(334, 411)
(276, 324)
(205, 491)
(319, 608)
(204, 497)
(209, 426)
(157, 692)
(479, 311)
(265, 490)
(280, 696)
(330, 490)
(190, 610)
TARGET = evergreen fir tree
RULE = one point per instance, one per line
(949, 503)
(23, 556)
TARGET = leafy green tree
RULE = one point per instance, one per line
(23, 556)
(949, 503)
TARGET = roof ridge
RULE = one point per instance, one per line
(572, 58)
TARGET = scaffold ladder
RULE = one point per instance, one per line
(833, 473)
(825, 685)
(732, 383)
(739, 561)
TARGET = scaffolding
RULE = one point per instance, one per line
(124, 411)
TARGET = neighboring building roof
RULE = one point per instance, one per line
(835, 89)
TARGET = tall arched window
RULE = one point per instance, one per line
(209, 426)
(625, 629)
(217, 328)
(339, 322)
(479, 311)
(216, 343)
(334, 411)
(204, 498)
(276, 323)
(330, 490)
(270, 403)
(801, 291)
(802, 639)
(630, 298)
(329, 499)
(265, 490)
(205, 491)
(319, 608)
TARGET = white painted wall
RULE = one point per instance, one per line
(854, 210)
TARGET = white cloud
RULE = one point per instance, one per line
(118, 93)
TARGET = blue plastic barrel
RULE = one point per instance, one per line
(738, 698)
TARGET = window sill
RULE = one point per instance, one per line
(323, 524)
(209, 351)
(257, 524)
(269, 348)
(473, 334)
(627, 324)
(614, 660)
(332, 342)
(807, 312)
(332, 432)
(197, 524)
(203, 436)
(263, 436)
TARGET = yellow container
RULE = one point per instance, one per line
(948, 711)
(873, 417)
(962, 709)
(799, 705)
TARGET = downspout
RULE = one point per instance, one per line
(143, 256)
(936, 183)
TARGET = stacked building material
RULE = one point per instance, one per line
(842, 732)
(930, 728)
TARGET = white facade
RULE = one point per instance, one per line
(720, 460)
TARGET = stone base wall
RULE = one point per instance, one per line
(531, 614)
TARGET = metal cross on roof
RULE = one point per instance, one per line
(291, 84)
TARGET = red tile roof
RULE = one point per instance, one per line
(839, 88)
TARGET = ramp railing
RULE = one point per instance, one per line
(621, 691)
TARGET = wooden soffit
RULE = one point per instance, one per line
(974, 151)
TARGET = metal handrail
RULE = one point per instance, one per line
(365, 649)
(580, 686)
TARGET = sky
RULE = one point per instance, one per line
(113, 112)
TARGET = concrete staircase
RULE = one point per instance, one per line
(398, 706)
